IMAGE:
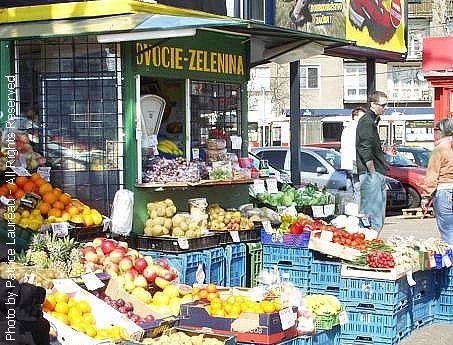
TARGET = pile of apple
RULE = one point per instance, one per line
(118, 260)
(125, 308)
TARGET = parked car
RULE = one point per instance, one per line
(409, 174)
(322, 166)
(417, 155)
(401, 169)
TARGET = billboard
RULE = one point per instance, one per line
(377, 24)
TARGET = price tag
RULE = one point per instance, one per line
(258, 186)
(329, 210)
(351, 209)
(44, 172)
(91, 281)
(29, 278)
(200, 276)
(60, 229)
(326, 236)
(268, 227)
(446, 260)
(432, 261)
(291, 210)
(20, 171)
(272, 185)
(195, 154)
(410, 279)
(183, 243)
(318, 211)
(343, 317)
(65, 285)
(235, 236)
(236, 142)
(106, 224)
(287, 318)
(365, 222)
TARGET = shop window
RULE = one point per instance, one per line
(215, 111)
(355, 82)
(72, 88)
(406, 83)
(309, 77)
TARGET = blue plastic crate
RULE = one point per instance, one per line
(329, 337)
(215, 266)
(324, 290)
(444, 279)
(428, 283)
(379, 323)
(444, 306)
(298, 341)
(299, 277)
(235, 265)
(297, 257)
(286, 240)
(394, 294)
(367, 340)
(421, 312)
(327, 273)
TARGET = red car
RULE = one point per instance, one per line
(401, 169)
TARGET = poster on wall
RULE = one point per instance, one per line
(377, 24)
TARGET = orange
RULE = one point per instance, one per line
(54, 212)
(39, 182)
(45, 188)
(29, 186)
(35, 176)
(12, 187)
(19, 194)
(21, 180)
(211, 288)
(44, 208)
(49, 303)
(65, 198)
(57, 192)
(49, 197)
(58, 204)
(3, 190)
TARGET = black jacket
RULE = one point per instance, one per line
(368, 144)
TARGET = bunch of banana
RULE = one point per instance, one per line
(168, 146)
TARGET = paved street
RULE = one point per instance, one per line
(438, 334)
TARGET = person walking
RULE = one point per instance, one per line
(439, 180)
(348, 136)
(371, 165)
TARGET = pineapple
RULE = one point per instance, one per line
(77, 267)
(36, 253)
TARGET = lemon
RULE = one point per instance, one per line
(89, 318)
(25, 214)
(74, 313)
(72, 302)
(83, 306)
(61, 297)
(61, 307)
(62, 317)
(36, 212)
(91, 331)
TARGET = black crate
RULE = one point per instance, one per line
(253, 235)
(168, 244)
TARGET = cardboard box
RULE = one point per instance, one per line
(330, 248)
(254, 328)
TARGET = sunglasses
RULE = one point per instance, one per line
(383, 105)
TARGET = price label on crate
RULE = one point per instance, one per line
(365, 222)
(318, 211)
(92, 282)
(268, 227)
(272, 185)
(326, 236)
(432, 261)
(60, 229)
(291, 210)
(235, 236)
(65, 285)
(20, 171)
(343, 318)
(195, 153)
(183, 243)
(410, 278)
(288, 318)
(329, 209)
(236, 142)
(258, 186)
(446, 260)
(44, 172)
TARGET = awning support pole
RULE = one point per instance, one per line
(294, 120)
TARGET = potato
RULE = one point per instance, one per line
(157, 230)
(184, 226)
(161, 211)
(168, 223)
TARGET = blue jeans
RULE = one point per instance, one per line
(373, 198)
(443, 209)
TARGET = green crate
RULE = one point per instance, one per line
(254, 262)
(326, 322)
(22, 236)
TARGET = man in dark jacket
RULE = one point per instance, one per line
(371, 164)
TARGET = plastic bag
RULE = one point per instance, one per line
(122, 212)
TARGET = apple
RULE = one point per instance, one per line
(125, 264)
(117, 254)
(140, 281)
(92, 257)
(108, 246)
(98, 241)
(88, 249)
(140, 265)
(130, 274)
(168, 276)
(133, 253)
(163, 263)
(123, 245)
(149, 260)
(111, 267)
(150, 274)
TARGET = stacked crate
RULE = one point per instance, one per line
(325, 275)
(444, 305)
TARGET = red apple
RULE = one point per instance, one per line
(117, 254)
(125, 264)
(140, 281)
(150, 274)
(87, 249)
(140, 265)
(168, 276)
(123, 245)
(98, 241)
(133, 253)
(163, 263)
(130, 275)
(92, 257)
(108, 246)
(149, 260)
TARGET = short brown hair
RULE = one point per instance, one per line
(375, 96)
(356, 111)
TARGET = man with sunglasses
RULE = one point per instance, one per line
(371, 165)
